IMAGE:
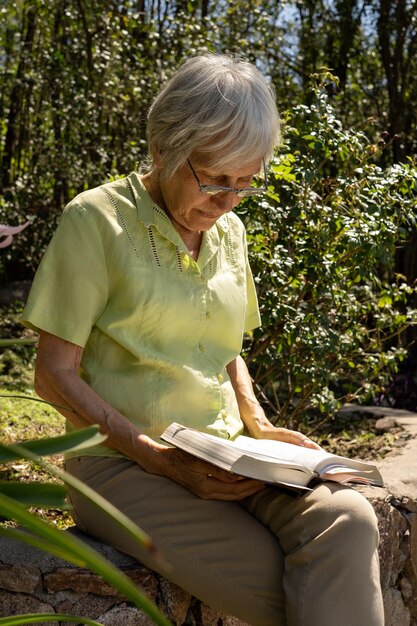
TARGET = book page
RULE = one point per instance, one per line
(282, 450)
(273, 471)
(329, 466)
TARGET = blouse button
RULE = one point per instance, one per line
(201, 347)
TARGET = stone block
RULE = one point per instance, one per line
(176, 601)
(25, 578)
(83, 581)
(88, 605)
(385, 423)
(413, 541)
(396, 613)
(13, 551)
(229, 620)
(124, 615)
(18, 604)
(392, 529)
(209, 616)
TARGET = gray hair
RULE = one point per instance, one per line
(219, 106)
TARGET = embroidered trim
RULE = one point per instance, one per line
(153, 245)
(230, 247)
(122, 220)
(161, 212)
(180, 267)
(219, 257)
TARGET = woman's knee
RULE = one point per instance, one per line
(353, 519)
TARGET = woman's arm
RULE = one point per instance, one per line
(57, 380)
(252, 413)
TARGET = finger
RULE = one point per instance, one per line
(207, 469)
(305, 442)
(311, 444)
(224, 476)
(298, 439)
(215, 489)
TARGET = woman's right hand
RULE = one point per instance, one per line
(200, 477)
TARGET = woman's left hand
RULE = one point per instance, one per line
(268, 431)
(253, 415)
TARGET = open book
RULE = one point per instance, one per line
(272, 461)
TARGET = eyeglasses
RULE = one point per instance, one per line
(241, 193)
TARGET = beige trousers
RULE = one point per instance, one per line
(274, 559)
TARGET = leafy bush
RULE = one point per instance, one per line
(322, 247)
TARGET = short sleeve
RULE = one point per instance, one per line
(70, 288)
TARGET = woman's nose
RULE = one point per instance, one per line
(226, 201)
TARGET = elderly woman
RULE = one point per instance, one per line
(141, 303)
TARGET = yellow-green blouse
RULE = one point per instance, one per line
(157, 328)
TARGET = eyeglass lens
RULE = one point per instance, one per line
(241, 193)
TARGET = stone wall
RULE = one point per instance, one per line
(33, 581)
(396, 509)
(398, 559)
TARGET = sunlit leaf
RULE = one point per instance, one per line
(125, 523)
(76, 440)
(36, 494)
(65, 545)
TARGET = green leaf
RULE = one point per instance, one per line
(47, 537)
(384, 301)
(23, 341)
(104, 505)
(36, 494)
(76, 440)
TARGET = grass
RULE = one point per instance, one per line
(23, 418)
(27, 419)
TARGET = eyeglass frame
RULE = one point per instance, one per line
(244, 192)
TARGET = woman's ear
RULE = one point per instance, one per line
(156, 158)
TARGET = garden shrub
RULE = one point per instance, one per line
(322, 247)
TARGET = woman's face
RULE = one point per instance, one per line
(194, 211)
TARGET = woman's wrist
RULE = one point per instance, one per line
(152, 456)
(257, 424)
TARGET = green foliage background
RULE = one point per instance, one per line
(322, 244)
(77, 78)
(335, 279)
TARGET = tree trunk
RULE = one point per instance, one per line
(17, 98)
